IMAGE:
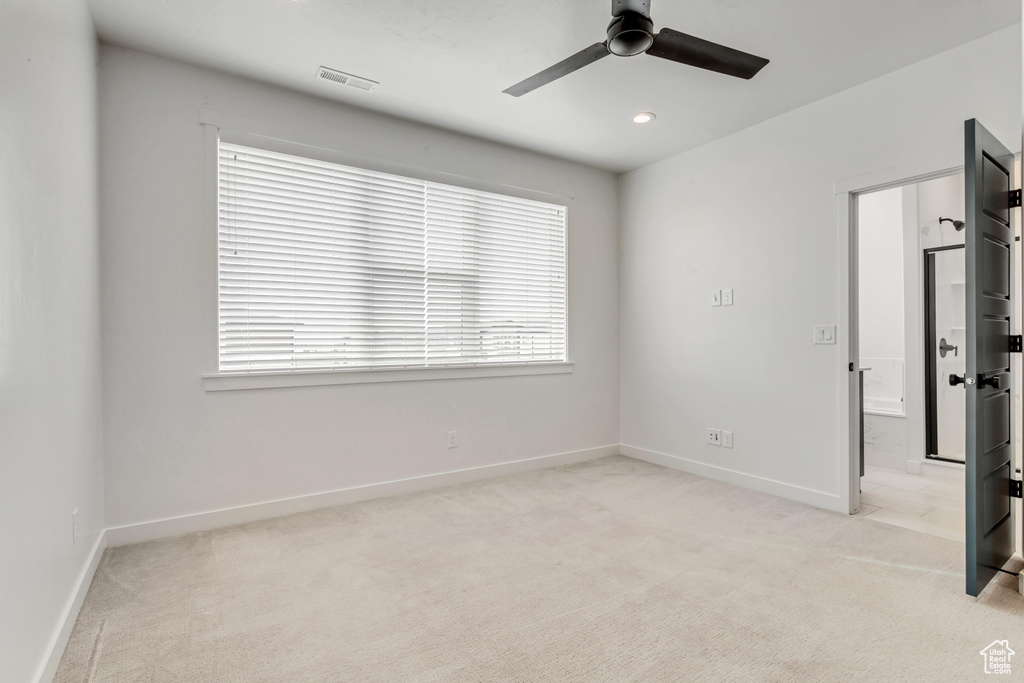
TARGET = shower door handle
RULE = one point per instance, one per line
(955, 380)
(945, 348)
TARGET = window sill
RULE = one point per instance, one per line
(280, 380)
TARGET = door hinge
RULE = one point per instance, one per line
(1014, 198)
(1016, 343)
(1015, 488)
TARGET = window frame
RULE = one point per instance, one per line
(294, 140)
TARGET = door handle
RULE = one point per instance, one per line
(955, 379)
(945, 348)
(995, 381)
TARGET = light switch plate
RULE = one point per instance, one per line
(716, 298)
(727, 297)
(714, 437)
(824, 334)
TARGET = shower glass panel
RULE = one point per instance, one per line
(944, 330)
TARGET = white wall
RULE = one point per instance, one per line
(50, 401)
(880, 235)
(880, 244)
(173, 449)
(940, 198)
(756, 212)
(880, 269)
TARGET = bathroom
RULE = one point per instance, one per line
(911, 331)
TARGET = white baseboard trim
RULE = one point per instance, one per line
(215, 519)
(827, 501)
(940, 469)
(51, 660)
(204, 521)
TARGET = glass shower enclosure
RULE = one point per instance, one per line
(945, 326)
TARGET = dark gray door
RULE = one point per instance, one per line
(989, 180)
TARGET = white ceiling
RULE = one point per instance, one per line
(445, 62)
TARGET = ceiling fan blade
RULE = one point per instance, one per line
(563, 68)
(639, 6)
(679, 47)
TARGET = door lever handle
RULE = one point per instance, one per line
(945, 347)
(955, 380)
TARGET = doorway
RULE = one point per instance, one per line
(992, 290)
(910, 297)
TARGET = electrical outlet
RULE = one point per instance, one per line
(714, 437)
(74, 526)
(726, 439)
(716, 297)
(453, 439)
(727, 297)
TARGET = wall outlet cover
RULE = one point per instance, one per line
(727, 297)
(453, 439)
(714, 437)
(726, 439)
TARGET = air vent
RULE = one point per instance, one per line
(343, 78)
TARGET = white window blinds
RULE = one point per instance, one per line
(325, 267)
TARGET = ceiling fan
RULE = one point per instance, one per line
(632, 32)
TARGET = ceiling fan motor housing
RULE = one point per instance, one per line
(630, 34)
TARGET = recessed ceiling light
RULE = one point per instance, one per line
(644, 117)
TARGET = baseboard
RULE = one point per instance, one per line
(48, 667)
(215, 519)
(819, 499)
(939, 469)
(204, 521)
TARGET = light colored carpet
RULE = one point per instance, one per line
(612, 570)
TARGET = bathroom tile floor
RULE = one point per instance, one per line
(931, 506)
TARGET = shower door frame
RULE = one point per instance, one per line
(930, 364)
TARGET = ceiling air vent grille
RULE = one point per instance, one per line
(343, 78)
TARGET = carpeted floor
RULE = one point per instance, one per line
(612, 570)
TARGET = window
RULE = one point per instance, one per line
(329, 267)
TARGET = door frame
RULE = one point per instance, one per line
(847, 334)
(931, 450)
(846, 192)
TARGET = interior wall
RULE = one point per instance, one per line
(172, 448)
(940, 198)
(880, 266)
(756, 212)
(882, 326)
(50, 400)
(880, 243)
